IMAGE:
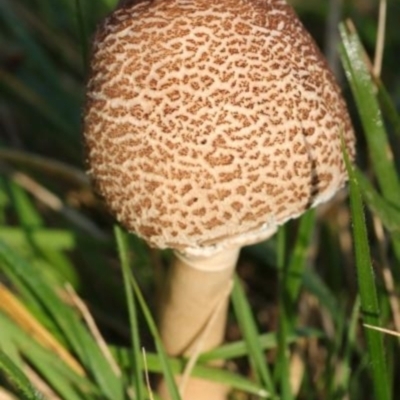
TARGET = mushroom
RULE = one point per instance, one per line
(207, 125)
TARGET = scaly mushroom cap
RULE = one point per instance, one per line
(209, 123)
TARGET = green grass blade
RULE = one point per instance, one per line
(359, 77)
(136, 356)
(282, 372)
(166, 368)
(230, 379)
(363, 89)
(268, 341)
(20, 272)
(27, 214)
(388, 108)
(345, 369)
(295, 271)
(58, 374)
(282, 369)
(364, 92)
(388, 214)
(291, 273)
(248, 328)
(18, 378)
(367, 289)
(54, 239)
(8, 344)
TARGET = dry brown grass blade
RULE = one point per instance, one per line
(91, 324)
(146, 374)
(332, 37)
(55, 203)
(40, 384)
(200, 341)
(383, 330)
(375, 67)
(5, 395)
(24, 319)
(380, 39)
(297, 369)
(45, 165)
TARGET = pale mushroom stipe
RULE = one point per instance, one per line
(207, 125)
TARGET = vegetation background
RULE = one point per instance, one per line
(57, 244)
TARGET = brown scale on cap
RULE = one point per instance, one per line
(211, 120)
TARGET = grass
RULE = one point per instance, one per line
(300, 301)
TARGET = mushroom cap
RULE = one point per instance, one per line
(210, 123)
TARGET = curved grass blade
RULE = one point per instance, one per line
(291, 274)
(388, 214)
(248, 327)
(135, 353)
(231, 379)
(367, 290)
(294, 273)
(164, 361)
(388, 108)
(364, 92)
(268, 341)
(342, 386)
(359, 77)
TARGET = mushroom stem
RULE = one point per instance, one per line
(195, 296)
